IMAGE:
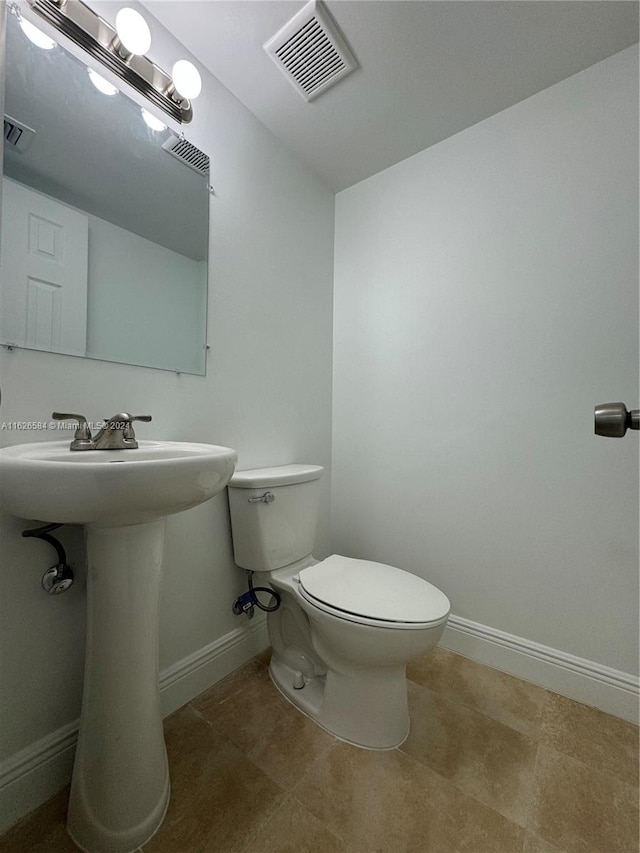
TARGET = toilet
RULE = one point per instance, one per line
(345, 628)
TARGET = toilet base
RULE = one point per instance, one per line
(367, 708)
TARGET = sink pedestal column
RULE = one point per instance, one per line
(120, 786)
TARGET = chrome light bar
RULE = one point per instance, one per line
(100, 40)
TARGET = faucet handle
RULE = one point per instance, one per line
(126, 418)
(128, 432)
(82, 439)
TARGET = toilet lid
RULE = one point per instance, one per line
(374, 590)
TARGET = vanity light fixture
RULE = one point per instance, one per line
(101, 84)
(151, 121)
(35, 35)
(121, 49)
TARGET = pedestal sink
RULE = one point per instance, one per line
(120, 787)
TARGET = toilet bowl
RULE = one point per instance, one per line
(345, 628)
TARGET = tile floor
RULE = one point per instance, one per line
(492, 765)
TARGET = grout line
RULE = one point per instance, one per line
(241, 688)
(588, 771)
(241, 750)
(447, 697)
(280, 804)
(524, 841)
(293, 795)
(536, 722)
(199, 713)
(240, 744)
(454, 784)
(591, 767)
(452, 781)
(316, 761)
(342, 841)
(534, 779)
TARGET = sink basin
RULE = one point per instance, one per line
(48, 482)
(120, 786)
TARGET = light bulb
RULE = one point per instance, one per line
(36, 36)
(186, 79)
(101, 84)
(152, 122)
(133, 31)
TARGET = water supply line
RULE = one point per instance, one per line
(58, 578)
(246, 602)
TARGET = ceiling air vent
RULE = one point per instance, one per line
(310, 51)
(17, 135)
(187, 154)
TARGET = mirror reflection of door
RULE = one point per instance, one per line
(44, 273)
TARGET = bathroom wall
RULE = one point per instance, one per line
(267, 393)
(485, 299)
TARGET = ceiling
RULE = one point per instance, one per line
(427, 69)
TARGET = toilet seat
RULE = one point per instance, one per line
(373, 594)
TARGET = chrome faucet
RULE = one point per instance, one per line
(116, 434)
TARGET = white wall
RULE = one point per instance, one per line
(485, 299)
(146, 303)
(267, 393)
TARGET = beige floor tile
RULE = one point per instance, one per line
(293, 829)
(43, 831)
(600, 740)
(581, 810)
(484, 758)
(264, 657)
(510, 700)
(386, 802)
(218, 797)
(234, 683)
(268, 729)
(458, 785)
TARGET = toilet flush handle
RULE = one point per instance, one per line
(267, 498)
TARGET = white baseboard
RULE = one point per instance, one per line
(38, 772)
(192, 675)
(585, 681)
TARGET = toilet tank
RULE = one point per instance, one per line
(273, 515)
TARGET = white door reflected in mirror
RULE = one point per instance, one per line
(44, 276)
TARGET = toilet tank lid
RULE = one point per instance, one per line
(279, 475)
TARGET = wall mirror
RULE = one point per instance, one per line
(105, 232)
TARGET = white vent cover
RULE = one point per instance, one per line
(187, 153)
(16, 134)
(310, 51)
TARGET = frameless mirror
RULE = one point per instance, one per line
(105, 232)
